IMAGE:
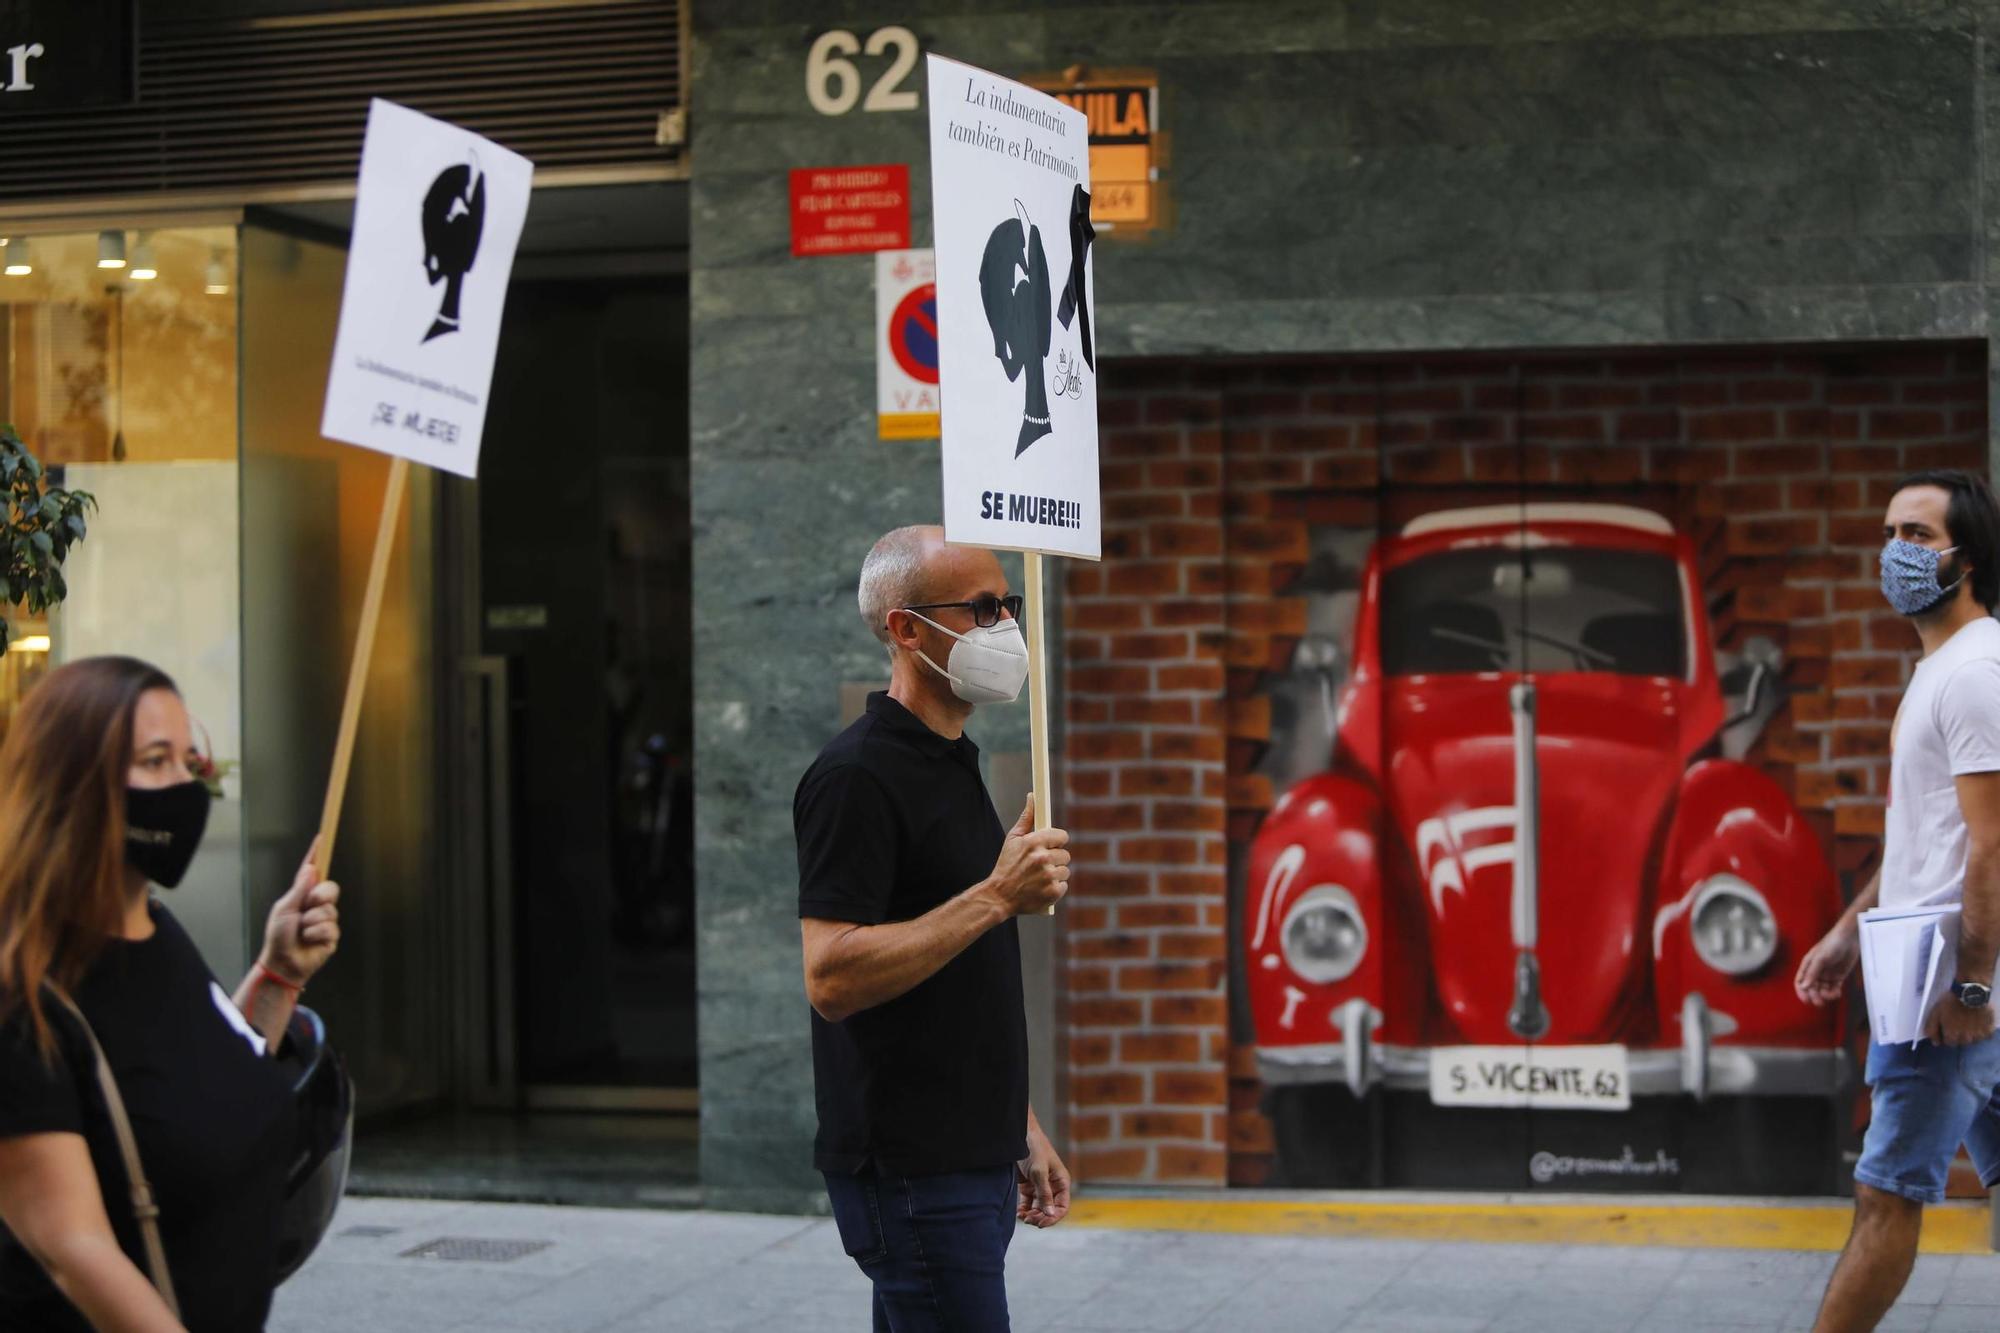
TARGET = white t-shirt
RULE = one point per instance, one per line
(1948, 724)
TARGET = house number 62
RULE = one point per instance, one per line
(833, 84)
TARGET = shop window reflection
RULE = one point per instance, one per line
(25, 661)
(126, 386)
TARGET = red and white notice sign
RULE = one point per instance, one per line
(850, 210)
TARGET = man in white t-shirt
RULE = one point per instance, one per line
(1941, 568)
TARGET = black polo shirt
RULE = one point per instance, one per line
(892, 820)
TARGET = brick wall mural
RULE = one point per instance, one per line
(1206, 655)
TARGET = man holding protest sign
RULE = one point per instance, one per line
(907, 885)
(908, 890)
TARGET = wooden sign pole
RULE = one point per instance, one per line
(364, 652)
(1038, 700)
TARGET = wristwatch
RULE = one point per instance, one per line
(1971, 994)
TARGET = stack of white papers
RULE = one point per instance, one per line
(1909, 956)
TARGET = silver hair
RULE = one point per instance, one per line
(893, 576)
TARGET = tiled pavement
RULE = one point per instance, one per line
(624, 1271)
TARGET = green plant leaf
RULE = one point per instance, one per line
(39, 523)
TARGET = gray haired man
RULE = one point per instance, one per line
(908, 890)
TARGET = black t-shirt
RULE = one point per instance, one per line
(892, 820)
(214, 1122)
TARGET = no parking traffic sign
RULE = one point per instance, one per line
(913, 333)
(906, 345)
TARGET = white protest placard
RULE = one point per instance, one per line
(438, 212)
(437, 218)
(1017, 365)
(906, 345)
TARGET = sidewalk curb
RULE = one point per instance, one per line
(1952, 1228)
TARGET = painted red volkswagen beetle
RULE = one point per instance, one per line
(1531, 928)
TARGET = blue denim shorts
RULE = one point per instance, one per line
(1927, 1100)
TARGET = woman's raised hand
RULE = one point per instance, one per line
(304, 927)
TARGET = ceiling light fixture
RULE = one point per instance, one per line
(143, 267)
(111, 249)
(218, 275)
(19, 265)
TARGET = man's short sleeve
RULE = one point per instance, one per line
(1968, 716)
(37, 1094)
(847, 835)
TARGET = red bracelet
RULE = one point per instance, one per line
(295, 987)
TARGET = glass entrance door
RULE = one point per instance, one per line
(585, 635)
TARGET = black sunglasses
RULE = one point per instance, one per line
(985, 608)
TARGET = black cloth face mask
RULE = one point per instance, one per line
(163, 828)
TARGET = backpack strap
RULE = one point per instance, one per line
(144, 1210)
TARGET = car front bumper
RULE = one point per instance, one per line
(1698, 1067)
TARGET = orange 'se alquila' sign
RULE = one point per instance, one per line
(1123, 111)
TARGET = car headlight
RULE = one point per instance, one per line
(1733, 929)
(1324, 936)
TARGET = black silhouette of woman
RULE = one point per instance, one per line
(454, 217)
(1014, 286)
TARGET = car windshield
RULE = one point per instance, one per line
(1544, 609)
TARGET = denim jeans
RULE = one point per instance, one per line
(1926, 1101)
(934, 1246)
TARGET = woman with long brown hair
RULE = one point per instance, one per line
(99, 802)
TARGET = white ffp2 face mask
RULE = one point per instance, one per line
(986, 666)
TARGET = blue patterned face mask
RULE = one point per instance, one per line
(1910, 576)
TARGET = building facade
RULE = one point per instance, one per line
(178, 190)
(1683, 292)
(1727, 269)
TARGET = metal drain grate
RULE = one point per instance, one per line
(369, 1232)
(464, 1249)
